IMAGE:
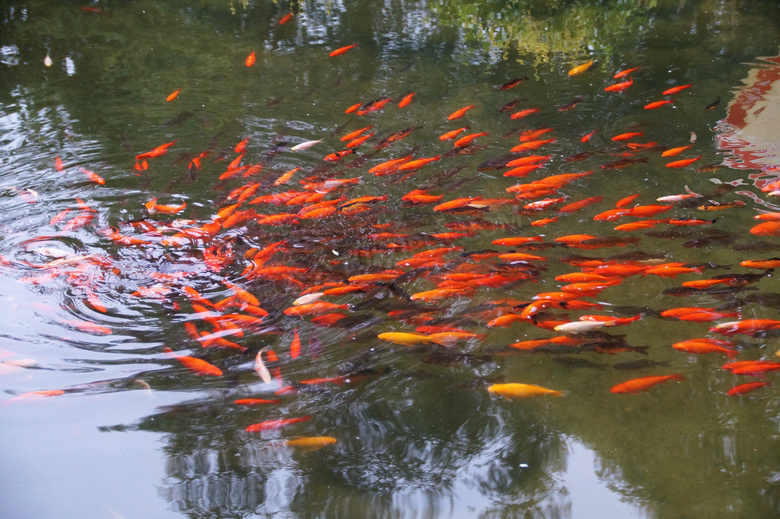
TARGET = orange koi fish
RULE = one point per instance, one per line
(619, 87)
(532, 135)
(705, 346)
(250, 60)
(588, 136)
(342, 50)
(286, 18)
(153, 207)
(255, 401)
(373, 106)
(580, 204)
(658, 104)
(579, 69)
(468, 139)
(624, 73)
(92, 176)
(746, 388)
(516, 390)
(318, 307)
(675, 151)
(746, 326)
(452, 134)
(421, 197)
(772, 263)
(295, 346)
(338, 155)
(532, 145)
(353, 108)
(644, 383)
(682, 163)
(156, 152)
(197, 366)
(766, 229)
(676, 89)
(173, 95)
(627, 136)
(360, 140)
(352, 135)
(406, 101)
(457, 114)
(275, 424)
(530, 159)
(523, 113)
(417, 164)
(522, 171)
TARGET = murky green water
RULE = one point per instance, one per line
(134, 433)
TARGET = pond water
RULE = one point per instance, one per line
(141, 233)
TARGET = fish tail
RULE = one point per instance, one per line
(678, 377)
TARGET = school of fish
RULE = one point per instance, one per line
(296, 250)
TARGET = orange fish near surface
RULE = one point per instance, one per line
(342, 50)
(173, 96)
(275, 424)
(643, 383)
(457, 114)
(676, 89)
(682, 163)
(197, 366)
(579, 69)
(250, 60)
(619, 87)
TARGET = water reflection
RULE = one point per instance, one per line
(418, 435)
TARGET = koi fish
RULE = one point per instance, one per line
(260, 367)
(417, 164)
(338, 155)
(452, 134)
(517, 390)
(305, 145)
(457, 114)
(173, 95)
(624, 73)
(310, 443)
(675, 151)
(255, 401)
(195, 365)
(682, 163)
(342, 50)
(587, 137)
(286, 18)
(644, 383)
(746, 388)
(512, 83)
(275, 424)
(468, 139)
(92, 176)
(658, 104)
(406, 101)
(627, 136)
(250, 60)
(619, 87)
(674, 90)
(523, 113)
(706, 346)
(579, 69)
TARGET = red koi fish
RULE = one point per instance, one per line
(353, 135)
(587, 137)
(342, 50)
(156, 152)
(406, 101)
(255, 401)
(452, 134)
(674, 90)
(275, 424)
(658, 104)
(746, 388)
(286, 18)
(419, 196)
(373, 106)
(619, 87)
(682, 163)
(197, 366)
(457, 114)
(318, 307)
(250, 60)
(643, 383)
